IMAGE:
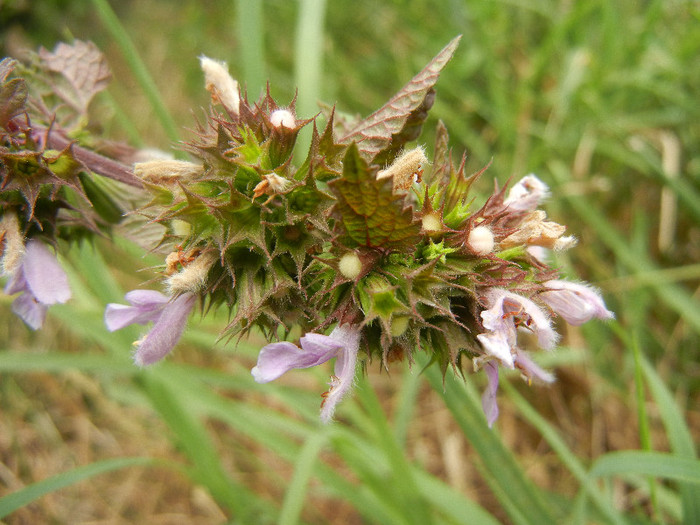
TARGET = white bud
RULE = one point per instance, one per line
(480, 240)
(220, 84)
(283, 118)
(350, 265)
(431, 223)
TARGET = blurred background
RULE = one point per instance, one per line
(599, 99)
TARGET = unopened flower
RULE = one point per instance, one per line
(167, 171)
(576, 303)
(527, 194)
(406, 169)
(193, 276)
(41, 282)
(350, 265)
(480, 240)
(283, 118)
(277, 358)
(221, 85)
(169, 316)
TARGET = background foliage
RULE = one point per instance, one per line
(598, 98)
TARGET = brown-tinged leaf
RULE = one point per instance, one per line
(83, 66)
(369, 213)
(397, 121)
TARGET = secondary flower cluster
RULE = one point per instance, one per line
(365, 239)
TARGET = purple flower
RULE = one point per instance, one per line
(169, 317)
(277, 358)
(41, 282)
(576, 303)
(489, 400)
(507, 311)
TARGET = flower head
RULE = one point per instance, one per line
(277, 358)
(41, 282)
(169, 317)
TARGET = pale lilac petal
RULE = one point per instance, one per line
(276, 359)
(118, 316)
(489, 400)
(345, 365)
(147, 298)
(45, 278)
(576, 303)
(30, 310)
(16, 283)
(147, 306)
(496, 344)
(530, 369)
(166, 331)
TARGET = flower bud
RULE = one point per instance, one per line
(283, 118)
(350, 265)
(405, 169)
(223, 88)
(164, 171)
(432, 223)
(480, 240)
(193, 277)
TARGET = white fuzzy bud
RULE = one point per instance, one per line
(480, 240)
(350, 265)
(221, 85)
(283, 118)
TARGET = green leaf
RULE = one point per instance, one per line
(400, 120)
(370, 214)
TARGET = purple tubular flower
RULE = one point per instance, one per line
(576, 303)
(41, 282)
(169, 317)
(489, 399)
(277, 358)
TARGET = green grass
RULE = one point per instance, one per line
(591, 96)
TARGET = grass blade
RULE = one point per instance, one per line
(138, 68)
(657, 464)
(17, 500)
